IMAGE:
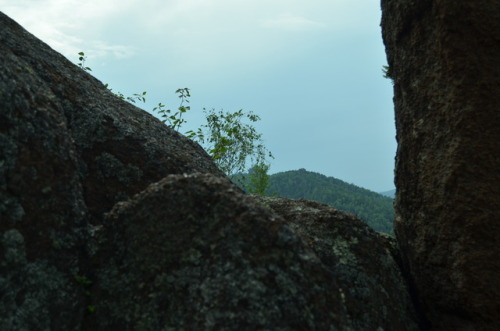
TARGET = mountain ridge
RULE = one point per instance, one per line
(374, 208)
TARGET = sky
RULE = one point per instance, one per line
(312, 70)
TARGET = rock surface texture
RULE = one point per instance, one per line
(69, 150)
(363, 262)
(444, 58)
(111, 221)
(195, 253)
(116, 148)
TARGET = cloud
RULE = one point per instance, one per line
(196, 34)
(69, 26)
(288, 21)
(102, 49)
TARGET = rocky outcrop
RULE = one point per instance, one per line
(116, 148)
(92, 237)
(364, 262)
(69, 150)
(194, 253)
(444, 58)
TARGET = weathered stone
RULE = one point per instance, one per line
(69, 150)
(42, 212)
(120, 149)
(189, 251)
(362, 261)
(444, 58)
(192, 252)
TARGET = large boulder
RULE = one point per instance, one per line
(444, 58)
(92, 237)
(69, 150)
(365, 263)
(192, 252)
(118, 149)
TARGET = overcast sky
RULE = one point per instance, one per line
(311, 69)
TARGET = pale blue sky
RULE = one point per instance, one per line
(311, 69)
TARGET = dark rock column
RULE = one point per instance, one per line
(444, 58)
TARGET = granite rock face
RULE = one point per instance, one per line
(192, 252)
(118, 149)
(110, 220)
(69, 150)
(363, 262)
(444, 58)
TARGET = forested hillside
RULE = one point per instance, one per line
(375, 209)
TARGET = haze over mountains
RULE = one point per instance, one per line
(390, 193)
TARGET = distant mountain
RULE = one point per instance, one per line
(375, 209)
(390, 194)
